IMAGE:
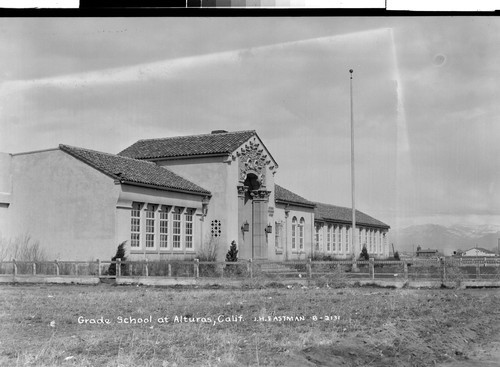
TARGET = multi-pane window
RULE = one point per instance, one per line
(317, 237)
(294, 233)
(164, 227)
(329, 238)
(154, 227)
(176, 228)
(135, 225)
(360, 237)
(334, 246)
(150, 226)
(188, 220)
(278, 235)
(301, 233)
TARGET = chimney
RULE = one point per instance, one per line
(218, 132)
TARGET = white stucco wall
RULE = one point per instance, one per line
(64, 204)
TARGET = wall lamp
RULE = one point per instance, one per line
(245, 227)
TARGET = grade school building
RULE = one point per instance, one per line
(172, 198)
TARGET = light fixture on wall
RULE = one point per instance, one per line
(245, 227)
(269, 229)
(204, 205)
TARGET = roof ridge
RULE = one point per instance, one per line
(197, 135)
(106, 153)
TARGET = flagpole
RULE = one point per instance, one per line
(353, 234)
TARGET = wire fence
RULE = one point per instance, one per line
(444, 269)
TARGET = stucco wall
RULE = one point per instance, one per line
(213, 174)
(64, 204)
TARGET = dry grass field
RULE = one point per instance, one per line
(309, 326)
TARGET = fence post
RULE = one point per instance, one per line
(372, 267)
(34, 268)
(222, 272)
(478, 271)
(196, 268)
(169, 269)
(14, 264)
(405, 269)
(309, 268)
(98, 268)
(57, 268)
(443, 270)
(147, 268)
(118, 267)
(250, 268)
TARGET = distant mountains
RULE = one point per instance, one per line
(445, 239)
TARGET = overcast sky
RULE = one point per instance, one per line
(426, 100)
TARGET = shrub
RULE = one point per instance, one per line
(120, 254)
(232, 254)
(364, 254)
(208, 252)
(22, 248)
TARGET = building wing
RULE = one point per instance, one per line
(333, 213)
(134, 172)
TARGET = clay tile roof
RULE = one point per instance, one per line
(334, 213)
(286, 196)
(133, 171)
(192, 145)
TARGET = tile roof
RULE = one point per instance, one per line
(192, 145)
(334, 213)
(286, 196)
(133, 171)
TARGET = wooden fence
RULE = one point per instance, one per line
(444, 269)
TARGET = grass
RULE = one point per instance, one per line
(376, 327)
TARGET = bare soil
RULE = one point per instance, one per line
(353, 327)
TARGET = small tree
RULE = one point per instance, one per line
(232, 254)
(120, 254)
(364, 254)
(396, 256)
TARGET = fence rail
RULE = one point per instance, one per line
(444, 269)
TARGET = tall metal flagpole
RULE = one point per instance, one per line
(353, 233)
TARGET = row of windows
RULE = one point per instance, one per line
(338, 239)
(160, 226)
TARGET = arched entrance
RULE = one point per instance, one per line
(253, 212)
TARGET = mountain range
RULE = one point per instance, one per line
(445, 239)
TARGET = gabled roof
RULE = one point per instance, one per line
(134, 172)
(220, 143)
(285, 196)
(332, 213)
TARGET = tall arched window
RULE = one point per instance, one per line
(301, 233)
(329, 238)
(294, 233)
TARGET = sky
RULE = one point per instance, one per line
(425, 100)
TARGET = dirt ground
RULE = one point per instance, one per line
(377, 327)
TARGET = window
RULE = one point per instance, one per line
(366, 240)
(176, 228)
(188, 217)
(317, 237)
(301, 234)
(360, 238)
(150, 226)
(294, 233)
(329, 238)
(334, 246)
(278, 235)
(346, 239)
(164, 227)
(135, 225)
